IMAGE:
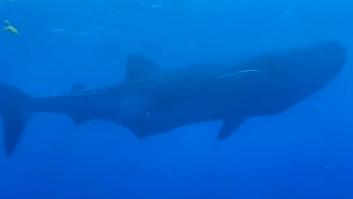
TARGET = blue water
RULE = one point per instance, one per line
(306, 152)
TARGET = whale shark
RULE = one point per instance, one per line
(153, 100)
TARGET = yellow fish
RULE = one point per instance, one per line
(10, 28)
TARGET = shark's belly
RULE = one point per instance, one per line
(174, 109)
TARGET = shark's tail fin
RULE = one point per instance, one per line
(14, 116)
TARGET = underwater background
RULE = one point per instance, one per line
(305, 152)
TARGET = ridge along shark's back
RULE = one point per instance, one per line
(152, 101)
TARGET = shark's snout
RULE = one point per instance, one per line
(333, 53)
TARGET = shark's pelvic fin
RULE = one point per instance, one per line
(78, 87)
(78, 120)
(229, 126)
(138, 68)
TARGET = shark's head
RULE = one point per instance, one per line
(288, 76)
(313, 67)
(307, 67)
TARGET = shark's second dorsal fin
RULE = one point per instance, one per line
(138, 68)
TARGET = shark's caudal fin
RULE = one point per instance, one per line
(12, 111)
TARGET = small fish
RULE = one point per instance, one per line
(10, 28)
(58, 30)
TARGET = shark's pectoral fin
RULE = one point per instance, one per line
(229, 126)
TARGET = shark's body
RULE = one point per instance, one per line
(152, 101)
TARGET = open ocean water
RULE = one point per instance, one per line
(303, 153)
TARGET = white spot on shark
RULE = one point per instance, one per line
(239, 72)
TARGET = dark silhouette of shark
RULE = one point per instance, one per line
(152, 101)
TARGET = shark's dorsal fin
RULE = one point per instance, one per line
(139, 68)
(229, 126)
